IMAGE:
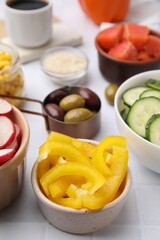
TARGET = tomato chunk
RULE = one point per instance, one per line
(110, 37)
(152, 46)
(124, 51)
(135, 33)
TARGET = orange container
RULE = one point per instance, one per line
(105, 10)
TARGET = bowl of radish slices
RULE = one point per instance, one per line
(137, 108)
(14, 139)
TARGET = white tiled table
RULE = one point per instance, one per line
(140, 217)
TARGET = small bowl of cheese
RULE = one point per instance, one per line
(64, 65)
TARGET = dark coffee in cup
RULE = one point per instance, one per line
(27, 4)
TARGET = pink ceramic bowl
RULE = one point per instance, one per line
(80, 221)
(12, 172)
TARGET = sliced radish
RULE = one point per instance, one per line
(5, 155)
(7, 131)
(5, 107)
(14, 145)
(18, 132)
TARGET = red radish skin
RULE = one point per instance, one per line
(13, 145)
(7, 131)
(5, 107)
(5, 155)
(10, 133)
(18, 132)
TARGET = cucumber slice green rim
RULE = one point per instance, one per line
(153, 83)
(141, 112)
(124, 114)
(132, 94)
(153, 129)
(150, 93)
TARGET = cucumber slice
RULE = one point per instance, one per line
(150, 93)
(153, 129)
(131, 95)
(140, 113)
(153, 83)
(124, 112)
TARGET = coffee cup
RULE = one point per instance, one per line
(29, 22)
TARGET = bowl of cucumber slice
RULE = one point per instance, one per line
(137, 109)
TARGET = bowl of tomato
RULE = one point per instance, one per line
(127, 49)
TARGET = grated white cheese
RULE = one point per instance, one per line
(64, 62)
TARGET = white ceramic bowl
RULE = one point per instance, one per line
(80, 221)
(146, 152)
(64, 65)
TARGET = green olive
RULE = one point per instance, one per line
(72, 101)
(78, 115)
(110, 92)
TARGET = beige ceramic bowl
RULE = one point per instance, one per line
(80, 221)
(147, 153)
(12, 172)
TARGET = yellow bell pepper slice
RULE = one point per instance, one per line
(87, 148)
(94, 177)
(59, 188)
(75, 203)
(80, 175)
(43, 166)
(53, 150)
(74, 191)
(44, 153)
(109, 190)
(98, 158)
